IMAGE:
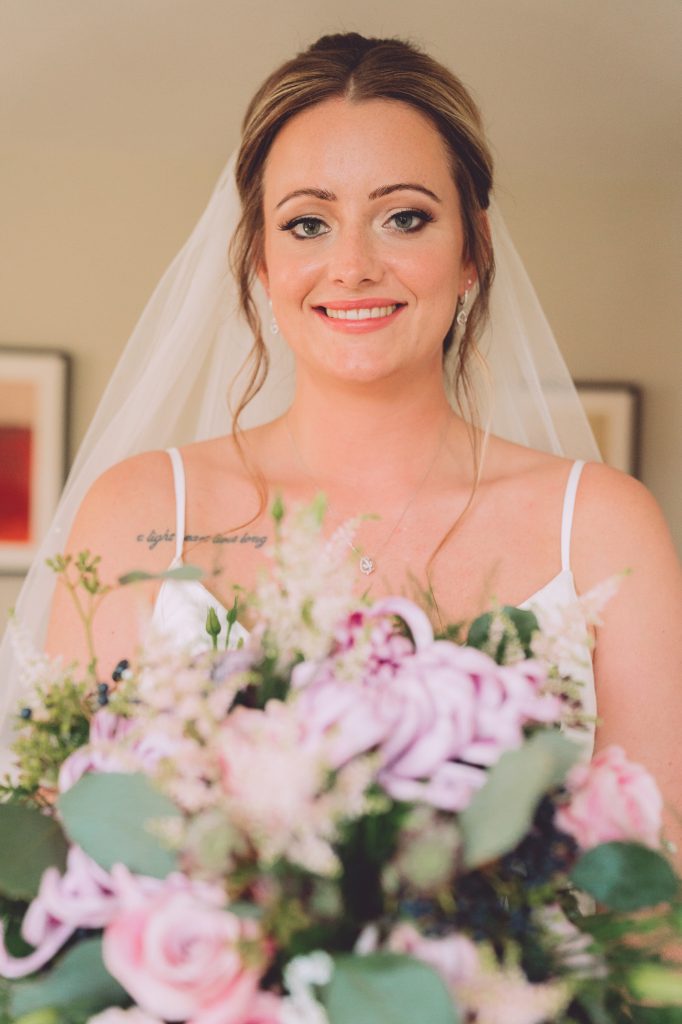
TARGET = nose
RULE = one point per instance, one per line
(355, 259)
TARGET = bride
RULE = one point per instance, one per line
(365, 181)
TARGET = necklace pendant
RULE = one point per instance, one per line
(367, 565)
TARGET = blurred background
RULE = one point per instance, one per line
(117, 116)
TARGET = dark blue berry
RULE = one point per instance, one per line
(117, 674)
(25, 713)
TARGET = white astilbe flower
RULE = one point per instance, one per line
(503, 995)
(36, 669)
(310, 587)
(565, 633)
(572, 947)
(300, 976)
(273, 787)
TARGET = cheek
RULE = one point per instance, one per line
(291, 274)
(432, 275)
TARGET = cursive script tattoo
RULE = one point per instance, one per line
(154, 537)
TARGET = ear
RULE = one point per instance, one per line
(262, 275)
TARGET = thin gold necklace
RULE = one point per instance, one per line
(367, 563)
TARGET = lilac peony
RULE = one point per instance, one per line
(437, 714)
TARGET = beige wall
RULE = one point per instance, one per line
(120, 113)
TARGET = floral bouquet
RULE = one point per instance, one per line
(337, 819)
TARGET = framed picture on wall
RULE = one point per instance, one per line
(34, 429)
(614, 409)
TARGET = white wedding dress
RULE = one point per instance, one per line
(181, 605)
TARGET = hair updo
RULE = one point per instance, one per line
(357, 68)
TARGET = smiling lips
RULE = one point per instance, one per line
(360, 314)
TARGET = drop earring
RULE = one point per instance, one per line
(462, 315)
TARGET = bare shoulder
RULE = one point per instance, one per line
(122, 505)
(152, 468)
(619, 526)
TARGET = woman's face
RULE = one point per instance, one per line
(363, 240)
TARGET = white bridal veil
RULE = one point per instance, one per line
(183, 357)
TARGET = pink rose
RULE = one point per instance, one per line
(183, 959)
(611, 799)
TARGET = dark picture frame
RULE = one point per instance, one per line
(614, 409)
(35, 386)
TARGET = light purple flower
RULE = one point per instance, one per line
(100, 754)
(119, 744)
(83, 897)
(437, 714)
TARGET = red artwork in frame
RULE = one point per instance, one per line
(34, 386)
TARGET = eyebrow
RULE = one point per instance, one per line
(378, 193)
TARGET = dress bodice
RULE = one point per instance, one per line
(181, 605)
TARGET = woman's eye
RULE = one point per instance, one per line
(410, 220)
(306, 227)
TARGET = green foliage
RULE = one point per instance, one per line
(367, 844)
(48, 1015)
(386, 989)
(80, 576)
(269, 683)
(499, 631)
(501, 812)
(181, 572)
(31, 842)
(657, 983)
(277, 511)
(232, 616)
(213, 626)
(12, 915)
(655, 1015)
(59, 725)
(109, 816)
(79, 983)
(625, 876)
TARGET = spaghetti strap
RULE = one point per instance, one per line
(180, 497)
(567, 513)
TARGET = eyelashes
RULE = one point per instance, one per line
(305, 227)
(422, 218)
(404, 222)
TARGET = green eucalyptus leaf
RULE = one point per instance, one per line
(79, 982)
(479, 631)
(386, 989)
(625, 876)
(523, 625)
(501, 812)
(30, 842)
(108, 815)
(182, 572)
